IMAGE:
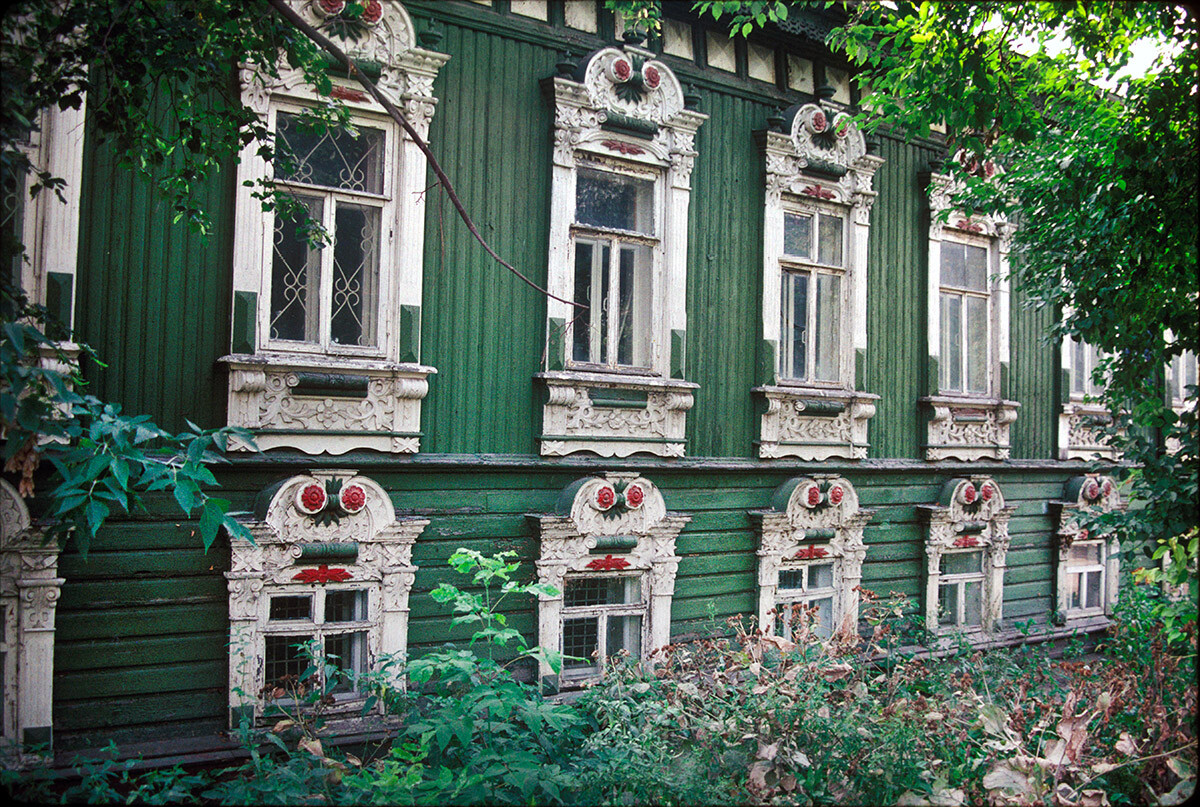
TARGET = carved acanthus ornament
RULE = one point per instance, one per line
(970, 515)
(618, 522)
(814, 517)
(968, 428)
(29, 591)
(814, 424)
(301, 528)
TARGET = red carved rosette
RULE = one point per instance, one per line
(1091, 490)
(329, 8)
(353, 498)
(836, 494)
(373, 12)
(605, 498)
(842, 127)
(311, 499)
(987, 491)
(812, 496)
(323, 574)
(1082, 535)
(608, 563)
(1107, 487)
(634, 496)
(810, 553)
(967, 493)
(620, 70)
(817, 122)
(965, 541)
(651, 77)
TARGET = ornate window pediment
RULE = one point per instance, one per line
(817, 222)
(609, 551)
(330, 567)
(968, 415)
(620, 187)
(966, 548)
(29, 592)
(810, 553)
(1088, 565)
(325, 352)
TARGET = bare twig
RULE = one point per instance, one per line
(333, 50)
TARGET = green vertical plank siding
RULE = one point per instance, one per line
(1033, 381)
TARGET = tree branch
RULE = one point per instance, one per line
(333, 50)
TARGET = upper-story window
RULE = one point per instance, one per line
(616, 321)
(615, 248)
(1181, 376)
(816, 227)
(811, 298)
(325, 338)
(964, 305)
(1084, 359)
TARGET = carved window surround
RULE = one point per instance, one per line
(616, 525)
(1088, 494)
(819, 164)
(29, 592)
(1083, 432)
(812, 519)
(624, 111)
(968, 426)
(356, 397)
(970, 516)
(614, 415)
(327, 530)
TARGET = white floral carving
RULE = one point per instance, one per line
(788, 428)
(570, 411)
(968, 429)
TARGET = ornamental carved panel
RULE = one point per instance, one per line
(1084, 432)
(572, 421)
(966, 429)
(814, 425)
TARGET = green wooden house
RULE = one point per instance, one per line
(773, 366)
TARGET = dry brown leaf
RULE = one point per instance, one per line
(836, 672)
(312, 746)
(1126, 745)
(788, 782)
(283, 724)
(767, 752)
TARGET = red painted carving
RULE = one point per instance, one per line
(608, 563)
(323, 574)
(836, 494)
(347, 94)
(814, 496)
(605, 497)
(818, 191)
(966, 541)
(634, 497)
(963, 224)
(810, 552)
(312, 498)
(651, 77)
(622, 69)
(332, 6)
(623, 148)
(353, 498)
(969, 493)
(987, 491)
(372, 13)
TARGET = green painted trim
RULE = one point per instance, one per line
(329, 550)
(610, 543)
(1004, 381)
(556, 349)
(245, 315)
(678, 353)
(410, 333)
(860, 366)
(820, 535)
(371, 70)
(616, 122)
(931, 377)
(817, 407)
(583, 437)
(768, 360)
(850, 443)
(619, 398)
(38, 735)
(59, 298)
(332, 385)
(1064, 385)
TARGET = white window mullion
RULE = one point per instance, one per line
(324, 307)
(613, 312)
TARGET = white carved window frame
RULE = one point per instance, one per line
(970, 516)
(811, 523)
(819, 165)
(603, 529)
(600, 121)
(1090, 493)
(29, 592)
(267, 378)
(1085, 416)
(295, 546)
(963, 425)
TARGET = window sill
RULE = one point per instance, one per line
(614, 414)
(327, 404)
(965, 428)
(814, 423)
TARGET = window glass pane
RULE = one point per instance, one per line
(823, 623)
(977, 268)
(283, 608)
(600, 294)
(1095, 582)
(677, 37)
(950, 362)
(580, 638)
(1074, 591)
(584, 330)
(797, 235)
(948, 603)
(355, 275)
(12, 216)
(977, 344)
(820, 575)
(346, 606)
(794, 308)
(348, 651)
(285, 656)
(295, 278)
(1078, 367)
(334, 159)
(624, 633)
(954, 259)
(828, 326)
(605, 199)
(1189, 370)
(829, 248)
(579, 592)
(962, 563)
(973, 602)
(634, 316)
(1084, 555)
(791, 579)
